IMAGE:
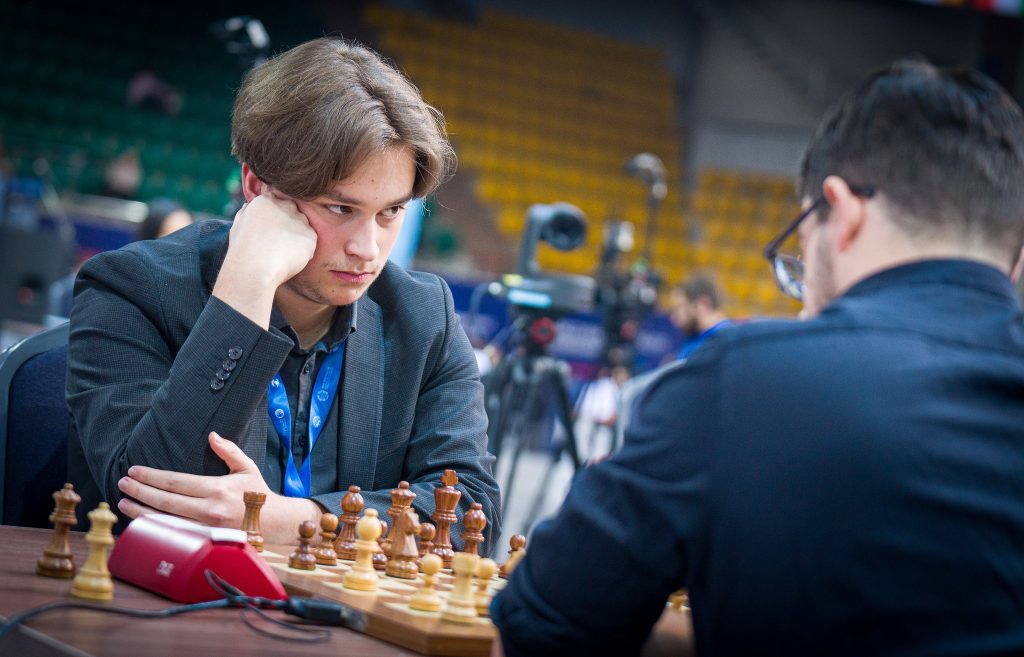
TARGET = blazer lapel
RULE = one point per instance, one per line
(361, 398)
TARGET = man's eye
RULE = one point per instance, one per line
(392, 212)
(338, 209)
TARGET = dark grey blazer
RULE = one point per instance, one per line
(148, 341)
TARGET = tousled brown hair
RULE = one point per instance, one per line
(309, 117)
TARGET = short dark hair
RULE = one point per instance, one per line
(945, 147)
(700, 285)
(309, 117)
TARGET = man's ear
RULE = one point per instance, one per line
(251, 185)
(847, 211)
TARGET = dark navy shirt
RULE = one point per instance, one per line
(847, 485)
(298, 372)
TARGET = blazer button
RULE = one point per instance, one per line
(222, 375)
(228, 365)
(216, 384)
(234, 353)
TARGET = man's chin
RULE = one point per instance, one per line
(330, 292)
(345, 295)
(346, 299)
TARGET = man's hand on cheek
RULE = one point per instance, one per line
(270, 239)
(270, 242)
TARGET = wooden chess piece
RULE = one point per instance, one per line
(513, 561)
(426, 598)
(362, 577)
(485, 571)
(303, 558)
(401, 499)
(93, 582)
(461, 607)
(446, 498)
(380, 560)
(351, 506)
(254, 501)
(473, 523)
(427, 534)
(58, 560)
(404, 552)
(325, 554)
(516, 543)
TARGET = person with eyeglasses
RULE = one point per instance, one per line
(849, 484)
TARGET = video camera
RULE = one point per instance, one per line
(530, 290)
(625, 296)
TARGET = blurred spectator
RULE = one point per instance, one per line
(487, 357)
(597, 411)
(164, 217)
(123, 175)
(696, 312)
(148, 91)
(61, 293)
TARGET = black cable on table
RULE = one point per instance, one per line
(18, 619)
(317, 611)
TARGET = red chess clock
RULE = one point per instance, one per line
(169, 556)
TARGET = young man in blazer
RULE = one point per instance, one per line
(281, 352)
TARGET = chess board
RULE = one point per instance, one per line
(387, 611)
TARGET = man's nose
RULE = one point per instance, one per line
(362, 243)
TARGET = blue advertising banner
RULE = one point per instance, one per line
(579, 338)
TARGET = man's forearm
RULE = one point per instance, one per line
(160, 414)
(248, 293)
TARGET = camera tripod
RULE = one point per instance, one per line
(520, 392)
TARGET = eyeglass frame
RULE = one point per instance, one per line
(777, 260)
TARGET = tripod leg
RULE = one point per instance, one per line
(506, 493)
(554, 376)
(496, 395)
(525, 415)
(561, 385)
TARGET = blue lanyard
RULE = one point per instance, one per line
(296, 482)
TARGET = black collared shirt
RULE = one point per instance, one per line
(298, 373)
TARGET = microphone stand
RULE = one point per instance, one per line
(654, 198)
(648, 168)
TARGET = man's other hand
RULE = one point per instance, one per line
(215, 500)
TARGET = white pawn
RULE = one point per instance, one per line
(93, 582)
(426, 598)
(461, 607)
(362, 577)
(485, 570)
